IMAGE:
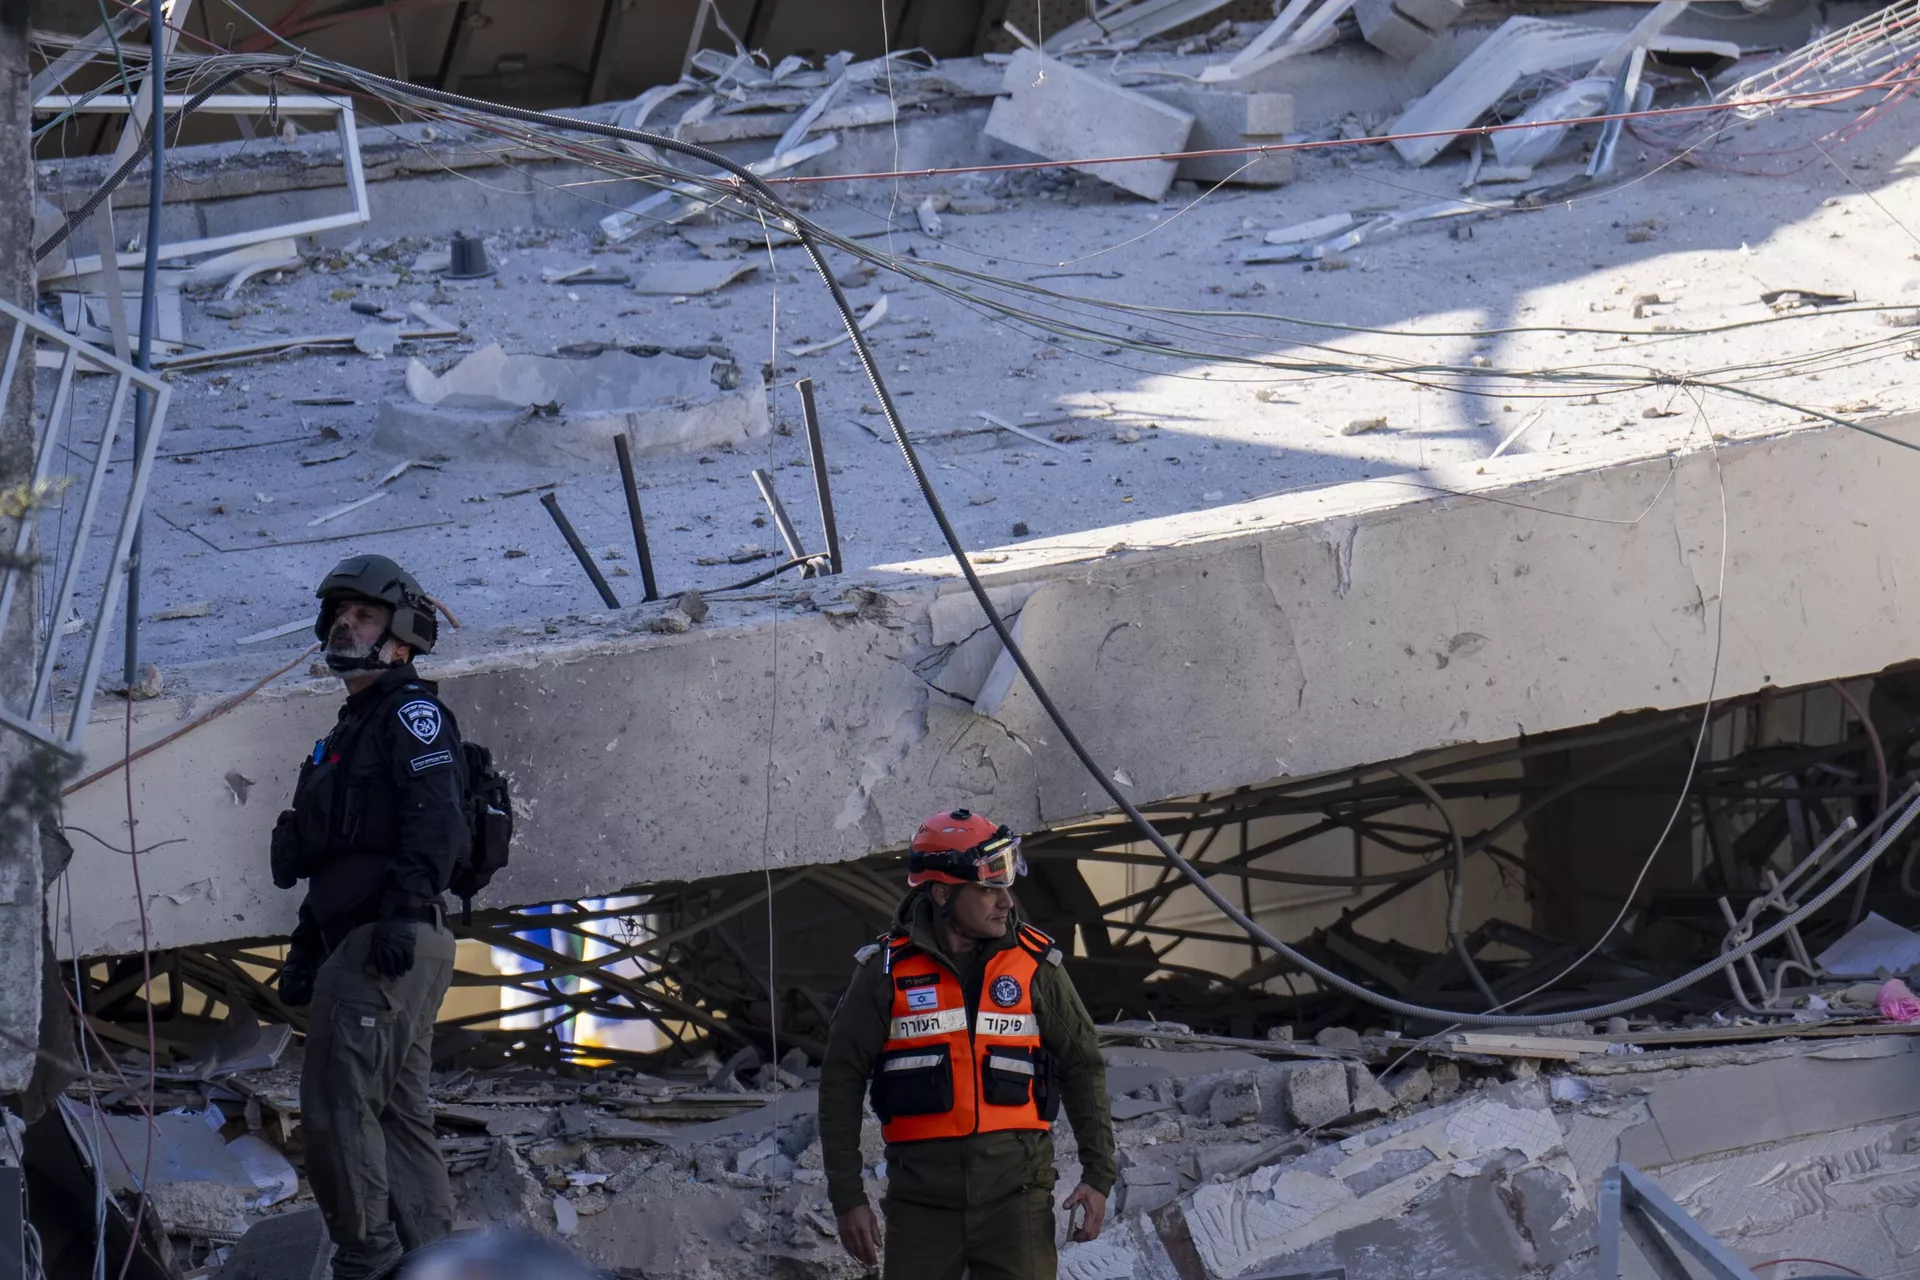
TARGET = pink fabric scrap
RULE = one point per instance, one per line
(1898, 1003)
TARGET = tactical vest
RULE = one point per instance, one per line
(344, 802)
(938, 1076)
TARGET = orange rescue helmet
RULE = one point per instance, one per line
(961, 847)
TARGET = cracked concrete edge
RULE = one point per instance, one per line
(1219, 653)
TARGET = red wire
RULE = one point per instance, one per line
(1814, 97)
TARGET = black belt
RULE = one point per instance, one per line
(372, 911)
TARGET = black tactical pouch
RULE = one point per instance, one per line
(913, 1082)
(1008, 1075)
(1046, 1085)
(284, 851)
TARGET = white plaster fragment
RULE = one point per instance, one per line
(1104, 1259)
(1494, 1126)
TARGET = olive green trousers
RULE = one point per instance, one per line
(1010, 1239)
(372, 1159)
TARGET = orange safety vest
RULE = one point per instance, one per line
(938, 1077)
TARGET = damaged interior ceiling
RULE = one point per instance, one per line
(1445, 461)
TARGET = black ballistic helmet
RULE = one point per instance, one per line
(380, 580)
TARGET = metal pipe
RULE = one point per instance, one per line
(781, 521)
(552, 503)
(625, 453)
(829, 528)
(149, 312)
(1880, 793)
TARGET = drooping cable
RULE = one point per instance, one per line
(762, 193)
(753, 187)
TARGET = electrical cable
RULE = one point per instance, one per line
(805, 233)
(1457, 891)
(78, 218)
(761, 192)
(198, 721)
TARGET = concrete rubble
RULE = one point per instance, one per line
(668, 323)
(1402, 1160)
(548, 409)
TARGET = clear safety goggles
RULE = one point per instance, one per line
(998, 862)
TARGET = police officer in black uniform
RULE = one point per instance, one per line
(376, 825)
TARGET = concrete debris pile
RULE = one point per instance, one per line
(1792, 1148)
(1376, 1156)
(553, 409)
(1420, 79)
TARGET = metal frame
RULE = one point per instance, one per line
(1631, 1205)
(78, 354)
(232, 104)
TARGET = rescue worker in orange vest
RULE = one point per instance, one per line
(967, 1035)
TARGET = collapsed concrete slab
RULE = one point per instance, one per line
(1343, 625)
(1224, 121)
(1796, 1150)
(1483, 1184)
(547, 409)
(1061, 112)
(1405, 29)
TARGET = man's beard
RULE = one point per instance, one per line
(351, 659)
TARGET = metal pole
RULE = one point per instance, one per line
(828, 527)
(552, 504)
(625, 453)
(149, 308)
(781, 521)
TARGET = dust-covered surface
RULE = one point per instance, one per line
(1426, 1162)
(1130, 434)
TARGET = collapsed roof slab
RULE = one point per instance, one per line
(1305, 632)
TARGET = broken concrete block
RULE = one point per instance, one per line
(1410, 1087)
(1402, 29)
(1446, 1080)
(1222, 1159)
(1337, 1038)
(545, 409)
(504, 1191)
(1149, 1184)
(1234, 1102)
(1367, 1095)
(1317, 1093)
(1419, 1196)
(687, 279)
(1108, 1258)
(1061, 112)
(1223, 120)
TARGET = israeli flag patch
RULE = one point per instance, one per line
(422, 718)
(923, 998)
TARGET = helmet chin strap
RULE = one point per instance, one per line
(356, 663)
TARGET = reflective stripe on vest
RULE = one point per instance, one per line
(995, 1055)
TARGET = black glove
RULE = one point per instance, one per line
(296, 976)
(284, 852)
(391, 950)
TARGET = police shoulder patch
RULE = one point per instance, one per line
(422, 719)
(1005, 991)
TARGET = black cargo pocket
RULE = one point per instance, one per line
(913, 1082)
(1007, 1075)
(1046, 1085)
